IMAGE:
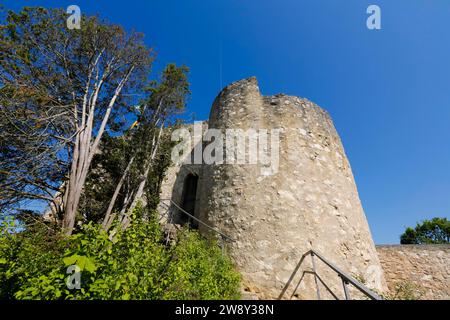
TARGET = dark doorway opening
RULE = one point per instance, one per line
(189, 196)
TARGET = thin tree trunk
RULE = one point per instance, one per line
(140, 191)
(84, 152)
(107, 221)
(69, 218)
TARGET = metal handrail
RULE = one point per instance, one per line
(346, 278)
(321, 281)
(224, 236)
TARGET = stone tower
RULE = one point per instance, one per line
(310, 202)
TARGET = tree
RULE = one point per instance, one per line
(434, 231)
(164, 99)
(60, 91)
(107, 168)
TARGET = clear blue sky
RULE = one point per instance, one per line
(388, 91)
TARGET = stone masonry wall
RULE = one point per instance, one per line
(310, 203)
(172, 186)
(425, 266)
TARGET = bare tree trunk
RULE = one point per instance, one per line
(69, 217)
(107, 221)
(84, 151)
(125, 218)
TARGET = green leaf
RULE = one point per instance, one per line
(90, 264)
(68, 261)
(83, 262)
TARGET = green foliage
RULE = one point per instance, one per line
(163, 100)
(405, 290)
(157, 173)
(27, 254)
(136, 265)
(51, 79)
(434, 231)
(200, 271)
(107, 167)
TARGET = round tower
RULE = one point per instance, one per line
(308, 201)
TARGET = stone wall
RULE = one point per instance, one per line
(427, 267)
(172, 186)
(311, 202)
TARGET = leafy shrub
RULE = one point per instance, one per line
(27, 254)
(136, 265)
(405, 290)
(199, 270)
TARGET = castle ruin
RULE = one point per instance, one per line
(310, 202)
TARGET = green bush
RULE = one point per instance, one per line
(27, 254)
(136, 265)
(405, 290)
(199, 270)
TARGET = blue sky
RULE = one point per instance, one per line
(388, 90)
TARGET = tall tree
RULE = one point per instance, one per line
(60, 90)
(165, 98)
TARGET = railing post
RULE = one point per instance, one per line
(315, 275)
(344, 284)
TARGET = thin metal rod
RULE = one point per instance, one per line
(369, 293)
(344, 284)
(298, 284)
(321, 281)
(315, 275)
(324, 284)
(348, 278)
(288, 283)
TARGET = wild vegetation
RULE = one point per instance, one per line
(85, 134)
(136, 265)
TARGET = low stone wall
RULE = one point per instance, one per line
(427, 267)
